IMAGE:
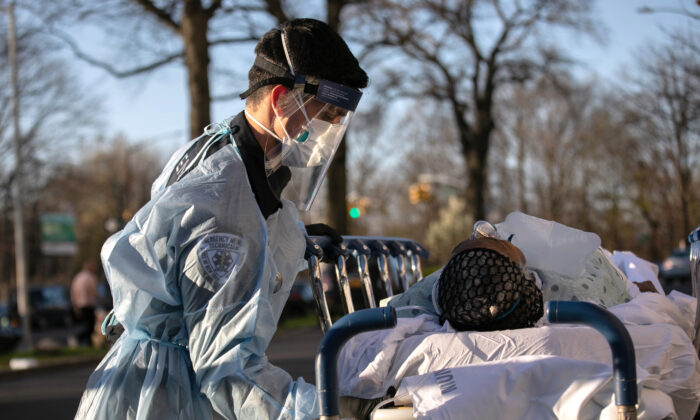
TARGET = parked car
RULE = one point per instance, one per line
(674, 271)
(49, 304)
(301, 298)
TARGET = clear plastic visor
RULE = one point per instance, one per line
(313, 131)
(301, 109)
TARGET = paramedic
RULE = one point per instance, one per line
(202, 272)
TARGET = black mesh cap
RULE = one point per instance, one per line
(481, 289)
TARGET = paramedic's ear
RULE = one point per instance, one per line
(277, 97)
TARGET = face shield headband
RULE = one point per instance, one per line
(313, 117)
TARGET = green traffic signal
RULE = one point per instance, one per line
(355, 213)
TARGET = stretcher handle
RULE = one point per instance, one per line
(624, 364)
(331, 251)
(407, 243)
(327, 353)
(396, 248)
(313, 255)
(376, 245)
(312, 248)
(417, 249)
(362, 253)
(356, 244)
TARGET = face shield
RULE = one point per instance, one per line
(309, 124)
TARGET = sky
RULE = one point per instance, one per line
(153, 110)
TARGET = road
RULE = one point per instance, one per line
(55, 393)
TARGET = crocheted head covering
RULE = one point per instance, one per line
(483, 287)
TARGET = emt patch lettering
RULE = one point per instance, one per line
(219, 253)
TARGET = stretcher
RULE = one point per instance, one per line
(398, 262)
(398, 266)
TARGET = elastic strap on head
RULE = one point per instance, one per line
(272, 67)
(286, 51)
(288, 83)
(282, 77)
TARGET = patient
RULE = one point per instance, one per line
(488, 285)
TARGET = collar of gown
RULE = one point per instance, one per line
(267, 190)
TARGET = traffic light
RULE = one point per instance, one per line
(419, 192)
(358, 207)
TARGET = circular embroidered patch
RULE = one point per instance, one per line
(219, 253)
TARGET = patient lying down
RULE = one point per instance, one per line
(474, 319)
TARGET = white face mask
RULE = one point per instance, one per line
(313, 146)
(317, 148)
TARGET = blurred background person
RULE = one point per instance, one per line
(83, 296)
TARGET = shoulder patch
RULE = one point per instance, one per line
(219, 253)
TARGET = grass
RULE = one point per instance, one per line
(292, 322)
(53, 356)
(431, 269)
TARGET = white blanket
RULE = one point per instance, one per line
(660, 327)
(526, 387)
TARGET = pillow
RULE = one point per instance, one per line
(601, 283)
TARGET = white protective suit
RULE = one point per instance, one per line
(199, 279)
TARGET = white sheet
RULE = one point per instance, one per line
(637, 270)
(526, 387)
(370, 363)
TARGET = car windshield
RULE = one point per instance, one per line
(49, 296)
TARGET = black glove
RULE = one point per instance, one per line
(358, 408)
(112, 333)
(322, 229)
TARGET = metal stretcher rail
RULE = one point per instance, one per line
(405, 254)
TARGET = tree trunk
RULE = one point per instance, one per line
(337, 192)
(476, 171)
(194, 36)
(684, 189)
(337, 172)
(654, 251)
(522, 202)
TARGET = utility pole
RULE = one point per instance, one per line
(20, 249)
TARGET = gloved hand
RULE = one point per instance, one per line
(358, 408)
(322, 229)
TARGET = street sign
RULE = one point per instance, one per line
(58, 234)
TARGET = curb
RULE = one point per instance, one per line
(52, 365)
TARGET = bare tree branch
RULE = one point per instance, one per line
(221, 41)
(211, 10)
(164, 17)
(107, 66)
(274, 7)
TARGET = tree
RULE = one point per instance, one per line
(54, 113)
(105, 187)
(452, 225)
(384, 167)
(667, 102)
(160, 32)
(337, 172)
(155, 33)
(446, 53)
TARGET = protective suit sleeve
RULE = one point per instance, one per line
(233, 293)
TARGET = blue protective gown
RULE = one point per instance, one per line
(199, 279)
